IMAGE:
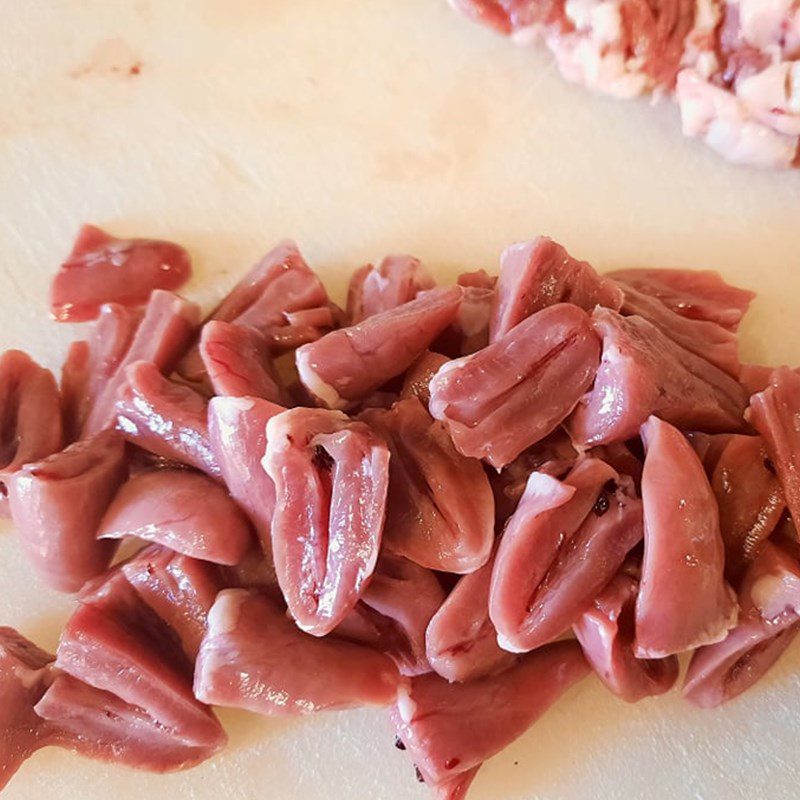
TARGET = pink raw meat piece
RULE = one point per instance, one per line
(510, 395)
(346, 365)
(621, 457)
(238, 361)
(25, 674)
(181, 510)
(30, 416)
(57, 505)
(180, 589)
(684, 601)
(419, 375)
(755, 377)
(103, 269)
(750, 501)
(451, 728)
(541, 273)
(694, 294)
(768, 622)
(705, 339)
(461, 642)
(562, 545)
(331, 477)
(439, 510)
(606, 630)
(773, 413)
(100, 725)
(165, 418)
(91, 363)
(115, 642)
(397, 280)
(643, 372)
(161, 337)
(278, 288)
(285, 672)
(394, 613)
(237, 429)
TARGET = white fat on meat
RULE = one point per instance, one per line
(594, 54)
(773, 96)
(324, 392)
(700, 45)
(724, 123)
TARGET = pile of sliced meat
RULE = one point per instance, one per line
(454, 502)
(732, 65)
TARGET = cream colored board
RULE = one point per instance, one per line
(362, 127)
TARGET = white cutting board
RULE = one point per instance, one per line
(362, 127)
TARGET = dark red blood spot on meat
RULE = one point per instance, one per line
(452, 763)
(769, 466)
(419, 775)
(398, 743)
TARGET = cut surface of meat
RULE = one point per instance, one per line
(451, 728)
(769, 621)
(643, 372)
(394, 612)
(331, 477)
(254, 658)
(57, 505)
(541, 273)
(115, 642)
(103, 269)
(181, 510)
(773, 413)
(510, 395)
(695, 294)
(30, 416)
(440, 509)
(563, 544)
(161, 337)
(25, 675)
(684, 600)
(750, 501)
(238, 361)
(348, 364)
(606, 634)
(397, 280)
(166, 418)
(705, 339)
(281, 297)
(237, 430)
(180, 589)
(461, 642)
